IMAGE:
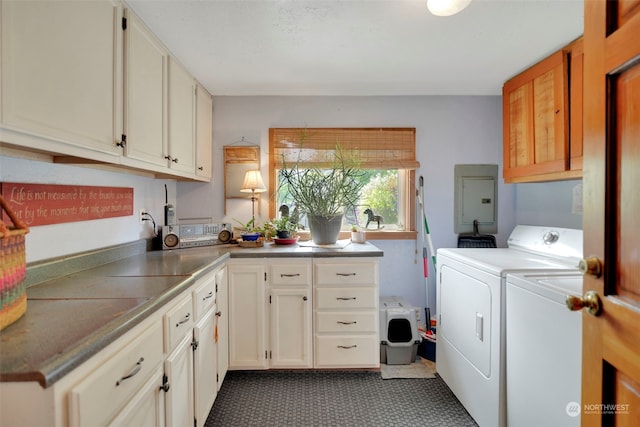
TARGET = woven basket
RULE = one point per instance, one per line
(13, 295)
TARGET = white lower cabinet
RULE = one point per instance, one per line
(320, 313)
(178, 369)
(99, 397)
(146, 409)
(346, 313)
(222, 324)
(247, 314)
(290, 310)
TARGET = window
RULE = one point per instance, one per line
(386, 154)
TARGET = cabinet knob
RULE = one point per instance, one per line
(174, 160)
(200, 168)
(304, 298)
(165, 384)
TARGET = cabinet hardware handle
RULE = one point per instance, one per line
(165, 384)
(340, 322)
(167, 157)
(133, 373)
(345, 298)
(290, 275)
(209, 295)
(347, 347)
(218, 313)
(345, 274)
(174, 160)
(200, 168)
(304, 298)
(185, 320)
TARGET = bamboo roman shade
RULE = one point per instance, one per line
(374, 148)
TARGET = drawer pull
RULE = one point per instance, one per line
(290, 275)
(345, 274)
(209, 295)
(218, 313)
(347, 347)
(345, 298)
(185, 320)
(165, 384)
(340, 322)
(133, 373)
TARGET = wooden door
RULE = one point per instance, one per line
(611, 340)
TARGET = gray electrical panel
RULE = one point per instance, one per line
(476, 198)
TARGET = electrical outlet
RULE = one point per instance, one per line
(141, 216)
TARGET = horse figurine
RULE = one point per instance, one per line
(372, 217)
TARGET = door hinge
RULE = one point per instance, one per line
(269, 299)
(265, 276)
(216, 287)
(270, 355)
(265, 354)
(124, 23)
(194, 345)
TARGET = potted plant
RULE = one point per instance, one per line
(249, 231)
(284, 228)
(357, 235)
(324, 192)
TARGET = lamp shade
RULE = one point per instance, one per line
(446, 7)
(253, 182)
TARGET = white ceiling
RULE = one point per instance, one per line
(358, 47)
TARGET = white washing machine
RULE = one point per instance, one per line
(470, 294)
(544, 350)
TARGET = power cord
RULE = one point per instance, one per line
(153, 221)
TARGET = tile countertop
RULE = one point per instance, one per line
(71, 317)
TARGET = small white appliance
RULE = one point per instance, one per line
(544, 350)
(471, 304)
(195, 234)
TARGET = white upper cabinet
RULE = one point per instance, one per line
(62, 76)
(181, 147)
(145, 93)
(86, 81)
(204, 128)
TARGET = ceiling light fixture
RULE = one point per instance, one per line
(446, 7)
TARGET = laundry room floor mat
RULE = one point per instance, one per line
(421, 368)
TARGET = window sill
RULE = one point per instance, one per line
(384, 235)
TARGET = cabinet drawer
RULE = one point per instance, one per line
(346, 298)
(177, 322)
(346, 274)
(290, 274)
(347, 351)
(346, 321)
(97, 399)
(204, 296)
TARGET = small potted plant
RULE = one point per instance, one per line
(285, 229)
(357, 235)
(249, 231)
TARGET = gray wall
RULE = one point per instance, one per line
(450, 130)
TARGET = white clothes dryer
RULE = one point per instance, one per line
(470, 303)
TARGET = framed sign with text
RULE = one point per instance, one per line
(43, 204)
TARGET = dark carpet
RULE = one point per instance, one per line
(334, 398)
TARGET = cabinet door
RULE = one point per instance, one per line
(178, 368)
(204, 129)
(181, 105)
(205, 367)
(61, 74)
(290, 322)
(145, 94)
(222, 319)
(535, 120)
(146, 409)
(247, 316)
(576, 109)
